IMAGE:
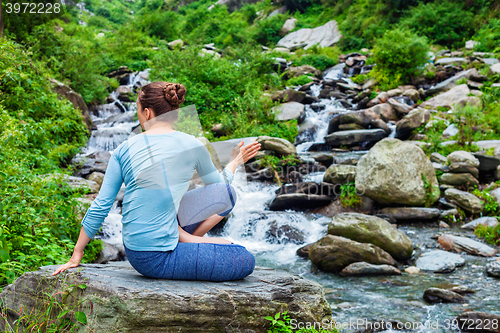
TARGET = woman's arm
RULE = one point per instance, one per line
(97, 212)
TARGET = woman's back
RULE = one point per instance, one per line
(156, 170)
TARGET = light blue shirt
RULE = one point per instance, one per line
(156, 170)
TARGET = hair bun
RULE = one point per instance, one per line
(174, 94)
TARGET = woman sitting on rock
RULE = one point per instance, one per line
(163, 222)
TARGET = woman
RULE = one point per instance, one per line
(163, 225)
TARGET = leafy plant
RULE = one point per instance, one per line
(349, 196)
(491, 207)
(490, 234)
(282, 323)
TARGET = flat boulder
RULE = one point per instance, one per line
(289, 111)
(373, 230)
(334, 253)
(458, 179)
(451, 82)
(486, 162)
(325, 35)
(354, 137)
(439, 261)
(487, 221)
(124, 298)
(449, 98)
(299, 201)
(411, 213)
(463, 168)
(464, 244)
(278, 145)
(461, 156)
(464, 200)
(397, 172)
(366, 269)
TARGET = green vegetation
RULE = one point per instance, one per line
(277, 165)
(490, 204)
(349, 196)
(398, 62)
(490, 234)
(39, 222)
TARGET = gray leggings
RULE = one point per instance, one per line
(199, 204)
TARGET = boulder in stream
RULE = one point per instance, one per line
(354, 137)
(439, 261)
(414, 119)
(373, 230)
(478, 322)
(438, 295)
(334, 253)
(278, 145)
(459, 244)
(366, 269)
(340, 174)
(299, 201)
(124, 298)
(493, 269)
(382, 176)
(411, 213)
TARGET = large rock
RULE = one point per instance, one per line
(303, 70)
(373, 230)
(437, 295)
(463, 168)
(278, 145)
(382, 111)
(411, 213)
(325, 35)
(487, 221)
(75, 98)
(414, 119)
(289, 25)
(478, 322)
(449, 98)
(288, 95)
(486, 162)
(464, 200)
(354, 137)
(459, 244)
(123, 298)
(366, 269)
(399, 107)
(288, 111)
(392, 172)
(439, 261)
(334, 253)
(451, 82)
(299, 201)
(495, 69)
(340, 174)
(493, 269)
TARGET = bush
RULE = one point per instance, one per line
(443, 22)
(489, 36)
(399, 55)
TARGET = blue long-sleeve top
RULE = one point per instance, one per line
(156, 170)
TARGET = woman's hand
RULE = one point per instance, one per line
(73, 262)
(243, 154)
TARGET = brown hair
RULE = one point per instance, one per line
(162, 97)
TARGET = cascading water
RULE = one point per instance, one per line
(274, 237)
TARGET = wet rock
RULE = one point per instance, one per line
(464, 200)
(399, 107)
(334, 253)
(97, 177)
(381, 98)
(437, 295)
(289, 95)
(487, 221)
(374, 230)
(458, 179)
(336, 207)
(284, 234)
(299, 201)
(478, 322)
(278, 145)
(493, 269)
(262, 175)
(381, 176)
(413, 94)
(412, 270)
(451, 82)
(439, 261)
(350, 127)
(125, 93)
(486, 162)
(110, 252)
(411, 121)
(366, 269)
(355, 137)
(459, 244)
(304, 250)
(464, 168)
(124, 298)
(411, 213)
(449, 98)
(443, 224)
(438, 158)
(340, 174)
(382, 111)
(355, 117)
(326, 35)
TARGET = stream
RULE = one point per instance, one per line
(388, 298)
